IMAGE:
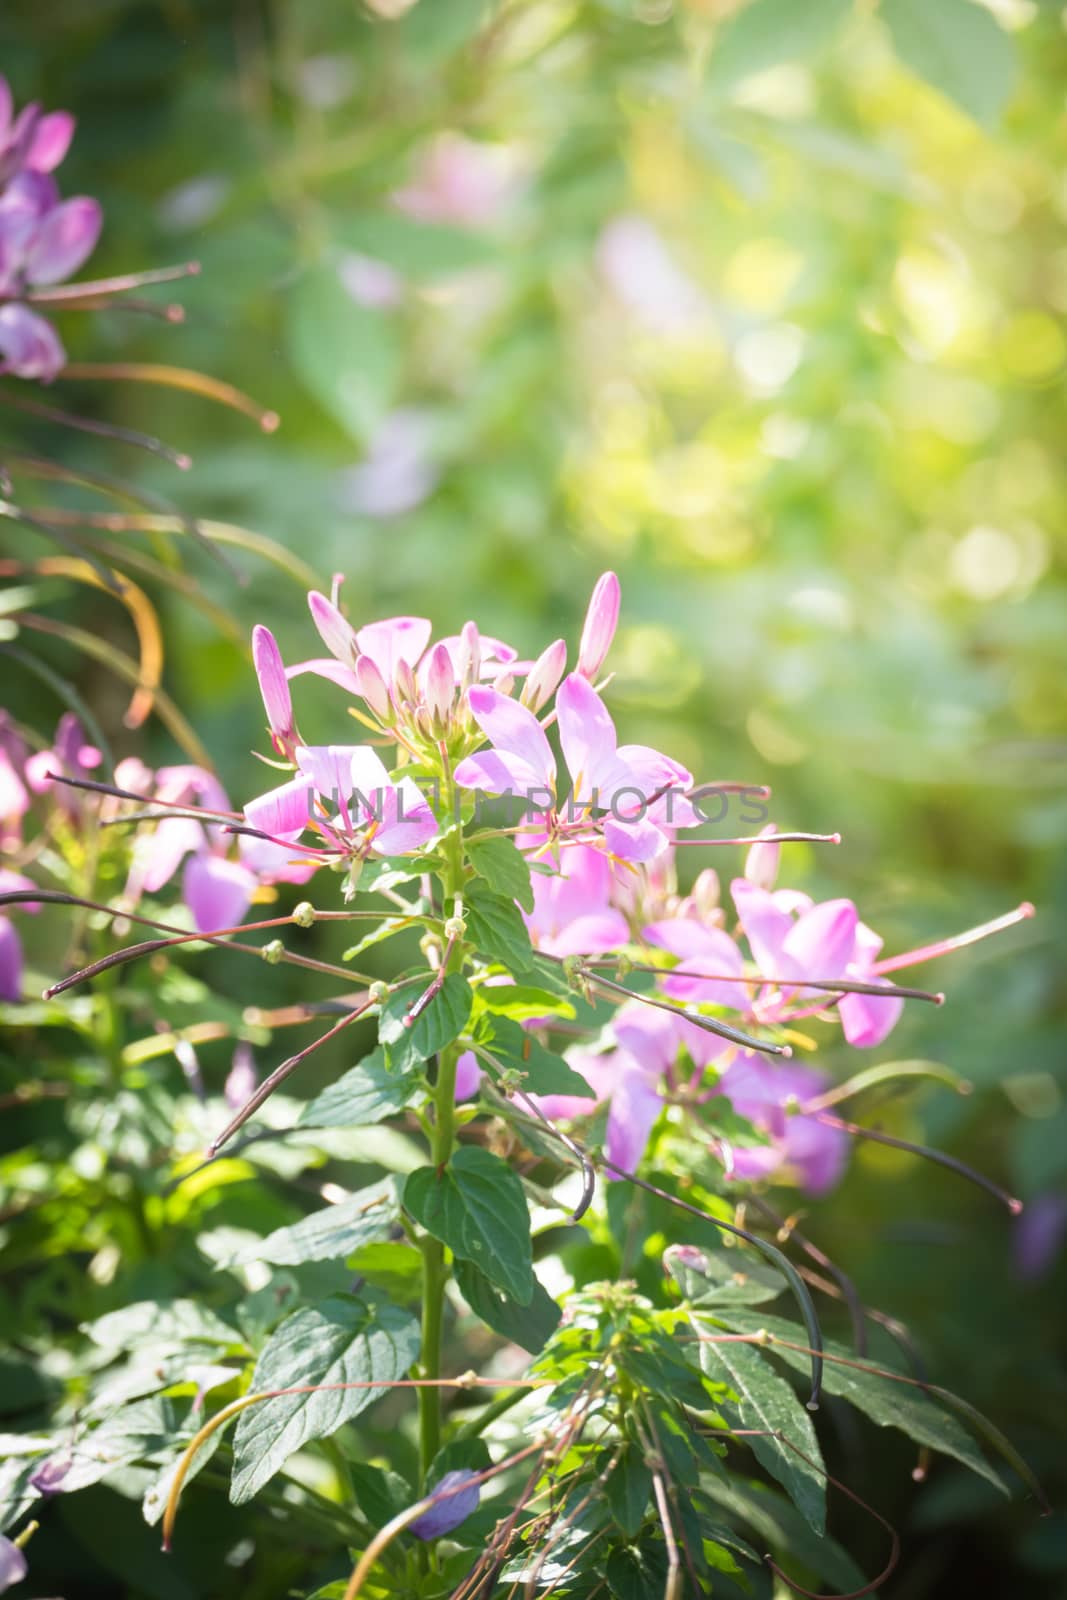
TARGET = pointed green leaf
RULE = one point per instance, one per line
(890, 1405)
(720, 1277)
(629, 1490)
(342, 1340)
(441, 1022)
(782, 1527)
(495, 925)
(504, 867)
(959, 48)
(476, 1207)
(366, 1093)
(543, 1071)
(530, 1326)
(366, 1217)
(765, 1400)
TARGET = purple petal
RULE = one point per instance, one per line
(323, 667)
(65, 239)
(1039, 1235)
(766, 927)
(590, 935)
(817, 1153)
(498, 773)
(10, 962)
(276, 863)
(336, 633)
(514, 731)
(634, 841)
(635, 1105)
(158, 855)
(407, 822)
(821, 942)
(468, 1076)
(13, 1567)
(601, 620)
(653, 770)
(29, 346)
(866, 1020)
(589, 742)
(218, 892)
(648, 1034)
(447, 1513)
(395, 640)
(51, 141)
(329, 766)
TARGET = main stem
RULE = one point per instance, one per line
(434, 1274)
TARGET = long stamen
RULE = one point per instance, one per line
(709, 1024)
(938, 1156)
(959, 941)
(176, 378)
(104, 430)
(116, 285)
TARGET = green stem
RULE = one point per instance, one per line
(434, 1272)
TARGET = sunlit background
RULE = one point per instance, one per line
(762, 307)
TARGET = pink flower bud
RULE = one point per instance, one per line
(601, 620)
(761, 863)
(372, 688)
(336, 634)
(705, 894)
(544, 676)
(470, 655)
(273, 684)
(440, 683)
(404, 681)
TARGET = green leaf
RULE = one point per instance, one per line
(421, 251)
(530, 1325)
(394, 1268)
(366, 1093)
(629, 1489)
(783, 1528)
(342, 1340)
(726, 1277)
(637, 1574)
(521, 1002)
(890, 1405)
(958, 47)
(169, 1324)
(768, 32)
(366, 1217)
(544, 1072)
(495, 925)
(476, 1206)
(347, 355)
(504, 867)
(765, 1400)
(441, 1022)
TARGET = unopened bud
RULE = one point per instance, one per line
(601, 620)
(706, 891)
(440, 684)
(304, 914)
(273, 684)
(455, 928)
(544, 676)
(337, 635)
(470, 655)
(372, 687)
(378, 993)
(761, 863)
(404, 682)
(273, 952)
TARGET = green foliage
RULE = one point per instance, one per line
(477, 1208)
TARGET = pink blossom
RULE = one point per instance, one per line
(459, 180)
(601, 620)
(760, 1091)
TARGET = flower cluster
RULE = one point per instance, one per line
(43, 238)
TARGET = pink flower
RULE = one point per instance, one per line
(459, 181)
(792, 939)
(811, 1150)
(71, 756)
(13, 1565)
(572, 913)
(274, 687)
(10, 944)
(601, 620)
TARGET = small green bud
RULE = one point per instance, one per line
(378, 993)
(272, 953)
(623, 967)
(304, 914)
(455, 928)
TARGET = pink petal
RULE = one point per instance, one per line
(65, 239)
(765, 925)
(821, 942)
(336, 633)
(273, 683)
(395, 640)
(277, 863)
(648, 1034)
(866, 1020)
(468, 1076)
(407, 821)
(282, 812)
(588, 737)
(10, 962)
(158, 855)
(634, 841)
(514, 731)
(324, 667)
(817, 1153)
(635, 1106)
(218, 892)
(51, 141)
(329, 766)
(497, 773)
(590, 935)
(601, 620)
(29, 346)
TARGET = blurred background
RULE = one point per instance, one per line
(765, 307)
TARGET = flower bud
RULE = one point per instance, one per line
(761, 863)
(544, 676)
(452, 1508)
(404, 682)
(705, 895)
(440, 684)
(372, 688)
(304, 914)
(273, 952)
(273, 684)
(470, 655)
(601, 620)
(378, 993)
(337, 635)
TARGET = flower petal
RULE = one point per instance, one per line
(514, 731)
(218, 892)
(282, 812)
(65, 239)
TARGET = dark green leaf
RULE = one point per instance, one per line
(783, 1528)
(495, 925)
(544, 1072)
(441, 1022)
(629, 1490)
(765, 1400)
(342, 1340)
(889, 1404)
(530, 1326)
(366, 1217)
(504, 868)
(957, 46)
(721, 1277)
(366, 1093)
(476, 1206)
